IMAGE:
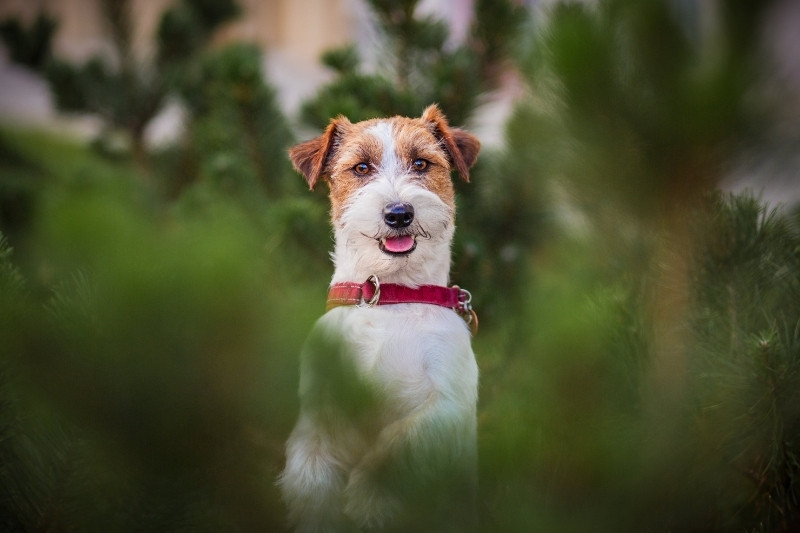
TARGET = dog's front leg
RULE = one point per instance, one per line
(313, 481)
(411, 455)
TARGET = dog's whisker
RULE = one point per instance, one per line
(422, 232)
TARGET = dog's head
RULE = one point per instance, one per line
(392, 200)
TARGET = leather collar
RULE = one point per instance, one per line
(372, 292)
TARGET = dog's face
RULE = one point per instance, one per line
(392, 199)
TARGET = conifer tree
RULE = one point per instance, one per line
(417, 65)
(655, 319)
(29, 46)
(125, 91)
(745, 322)
(239, 135)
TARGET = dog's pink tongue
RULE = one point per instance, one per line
(399, 244)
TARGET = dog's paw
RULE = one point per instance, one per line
(369, 504)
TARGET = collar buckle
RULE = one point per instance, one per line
(465, 309)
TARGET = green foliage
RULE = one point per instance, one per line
(629, 81)
(625, 106)
(616, 293)
(21, 180)
(747, 357)
(29, 46)
(343, 60)
(418, 66)
(122, 90)
(240, 136)
(567, 450)
(359, 97)
(124, 99)
(186, 28)
(590, 424)
(30, 452)
(160, 374)
(237, 134)
(10, 278)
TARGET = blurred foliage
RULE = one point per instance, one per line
(626, 105)
(236, 136)
(746, 359)
(29, 46)
(625, 401)
(418, 65)
(640, 331)
(624, 279)
(628, 79)
(124, 90)
(239, 136)
(148, 368)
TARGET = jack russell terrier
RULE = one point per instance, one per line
(388, 380)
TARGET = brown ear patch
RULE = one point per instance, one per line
(309, 157)
(461, 146)
(467, 144)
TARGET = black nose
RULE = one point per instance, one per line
(398, 215)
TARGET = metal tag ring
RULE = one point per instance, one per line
(377, 284)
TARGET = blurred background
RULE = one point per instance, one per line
(631, 236)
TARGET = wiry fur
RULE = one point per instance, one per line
(388, 393)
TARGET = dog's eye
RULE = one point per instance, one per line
(361, 168)
(419, 164)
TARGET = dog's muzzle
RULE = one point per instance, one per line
(398, 216)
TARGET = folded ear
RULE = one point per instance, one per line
(463, 147)
(309, 157)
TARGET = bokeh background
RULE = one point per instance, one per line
(631, 236)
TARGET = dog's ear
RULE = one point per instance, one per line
(463, 147)
(309, 157)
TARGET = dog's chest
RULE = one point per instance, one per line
(407, 351)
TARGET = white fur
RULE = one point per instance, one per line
(415, 357)
(390, 163)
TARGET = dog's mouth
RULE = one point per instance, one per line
(398, 245)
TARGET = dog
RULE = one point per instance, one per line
(386, 435)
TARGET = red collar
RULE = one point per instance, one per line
(373, 292)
